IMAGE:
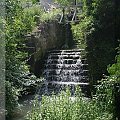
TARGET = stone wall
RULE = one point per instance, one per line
(45, 37)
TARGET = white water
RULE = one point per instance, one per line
(64, 68)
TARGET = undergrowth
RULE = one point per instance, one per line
(65, 107)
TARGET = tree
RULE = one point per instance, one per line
(19, 21)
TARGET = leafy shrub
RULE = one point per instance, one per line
(114, 70)
(52, 15)
(19, 21)
(65, 2)
(11, 98)
(64, 107)
(95, 33)
(104, 94)
(32, 13)
(82, 30)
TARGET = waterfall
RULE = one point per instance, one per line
(65, 68)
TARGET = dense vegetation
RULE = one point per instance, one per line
(19, 21)
(97, 32)
(65, 107)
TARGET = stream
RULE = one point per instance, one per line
(25, 106)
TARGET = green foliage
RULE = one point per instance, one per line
(15, 29)
(64, 3)
(104, 94)
(31, 14)
(85, 27)
(108, 90)
(114, 70)
(82, 30)
(65, 107)
(52, 15)
(11, 98)
(19, 21)
(95, 33)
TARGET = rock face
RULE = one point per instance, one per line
(46, 36)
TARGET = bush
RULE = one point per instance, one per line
(11, 98)
(95, 33)
(83, 29)
(52, 15)
(64, 107)
(33, 15)
(19, 21)
(114, 70)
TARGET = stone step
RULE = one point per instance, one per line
(72, 50)
(64, 70)
(65, 61)
(67, 53)
(66, 75)
(66, 79)
(63, 57)
(66, 66)
(67, 83)
(85, 66)
(67, 71)
(79, 77)
(60, 74)
(85, 73)
(84, 61)
(48, 65)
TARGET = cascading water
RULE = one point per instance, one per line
(64, 68)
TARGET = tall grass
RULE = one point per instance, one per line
(64, 107)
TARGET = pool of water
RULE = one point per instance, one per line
(25, 106)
